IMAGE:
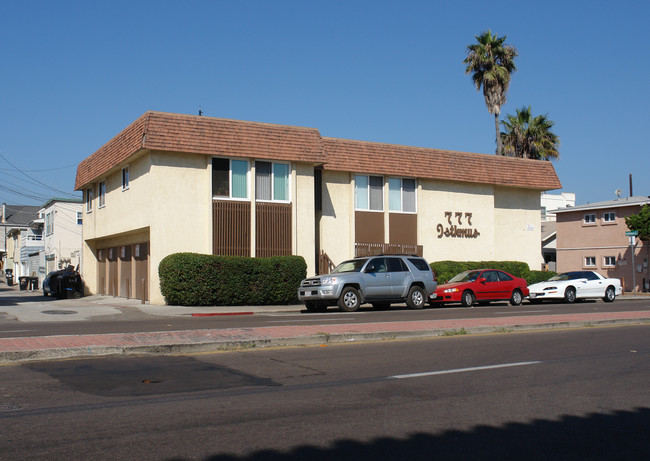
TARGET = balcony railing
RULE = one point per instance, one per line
(373, 249)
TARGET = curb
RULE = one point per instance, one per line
(319, 339)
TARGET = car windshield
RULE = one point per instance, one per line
(353, 265)
(467, 276)
(566, 276)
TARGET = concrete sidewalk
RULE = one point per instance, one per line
(191, 341)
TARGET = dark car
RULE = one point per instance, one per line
(482, 286)
(65, 283)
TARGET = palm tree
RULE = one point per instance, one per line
(491, 62)
(527, 136)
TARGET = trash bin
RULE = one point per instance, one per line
(24, 281)
(33, 283)
(71, 286)
(10, 280)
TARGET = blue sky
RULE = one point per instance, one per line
(76, 73)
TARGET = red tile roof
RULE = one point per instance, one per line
(234, 138)
(418, 162)
(203, 135)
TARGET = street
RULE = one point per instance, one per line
(570, 394)
(29, 314)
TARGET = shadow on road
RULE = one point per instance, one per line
(618, 436)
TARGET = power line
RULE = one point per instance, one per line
(34, 180)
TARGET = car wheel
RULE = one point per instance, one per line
(349, 300)
(316, 307)
(516, 298)
(381, 306)
(570, 295)
(468, 299)
(416, 298)
(610, 295)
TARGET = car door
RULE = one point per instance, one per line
(377, 279)
(507, 284)
(488, 287)
(594, 286)
(399, 277)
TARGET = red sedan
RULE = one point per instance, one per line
(482, 286)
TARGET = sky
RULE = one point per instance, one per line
(73, 74)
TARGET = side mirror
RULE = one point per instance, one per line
(481, 280)
(371, 268)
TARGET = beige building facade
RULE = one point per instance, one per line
(592, 237)
(176, 183)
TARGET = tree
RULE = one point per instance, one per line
(640, 222)
(491, 62)
(527, 136)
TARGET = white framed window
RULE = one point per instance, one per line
(89, 200)
(609, 217)
(229, 178)
(80, 219)
(272, 181)
(125, 178)
(590, 261)
(101, 194)
(369, 193)
(401, 195)
(589, 219)
(49, 223)
(609, 261)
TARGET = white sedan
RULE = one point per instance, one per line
(570, 286)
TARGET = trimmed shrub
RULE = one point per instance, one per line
(445, 270)
(191, 279)
(539, 276)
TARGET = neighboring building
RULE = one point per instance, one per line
(26, 250)
(550, 203)
(593, 237)
(172, 183)
(15, 219)
(63, 219)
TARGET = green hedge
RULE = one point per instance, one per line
(191, 279)
(445, 270)
(539, 276)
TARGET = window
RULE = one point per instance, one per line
(590, 261)
(272, 181)
(229, 178)
(368, 193)
(89, 200)
(101, 194)
(503, 277)
(609, 217)
(125, 178)
(79, 218)
(589, 219)
(49, 223)
(609, 261)
(401, 195)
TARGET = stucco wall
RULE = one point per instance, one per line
(304, 218)
(518, 232)
(337, 221)
(435, 199)
(495, 223)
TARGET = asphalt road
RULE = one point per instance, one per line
(556, 395)
(132, 319)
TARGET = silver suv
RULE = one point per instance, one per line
(379, 280)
